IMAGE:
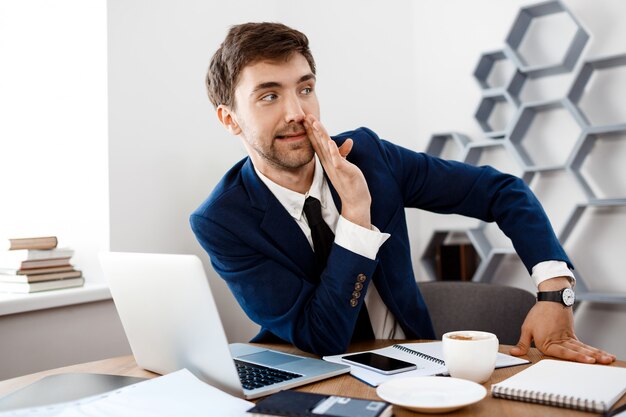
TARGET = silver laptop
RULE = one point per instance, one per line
(171, 322)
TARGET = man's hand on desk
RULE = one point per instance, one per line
(551, 326)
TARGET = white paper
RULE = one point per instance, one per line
(424, 367)
(177, 394)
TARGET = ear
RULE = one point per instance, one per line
(227, 119)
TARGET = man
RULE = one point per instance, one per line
(309, 231)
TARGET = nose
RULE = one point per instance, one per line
(294, 113)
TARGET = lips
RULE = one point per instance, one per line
(296, 135)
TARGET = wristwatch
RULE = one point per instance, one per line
(565, 296)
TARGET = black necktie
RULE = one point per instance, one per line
(323, 239)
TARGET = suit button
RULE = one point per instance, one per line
(354, 302)
(358, 286)
(356, 294)
(361, 278)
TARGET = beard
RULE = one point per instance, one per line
(288, 156)
(284, 155)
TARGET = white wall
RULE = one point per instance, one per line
(54, 170)
(53, 129)
(402, 68)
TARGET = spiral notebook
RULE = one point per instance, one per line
(427, 356)
(579, 386)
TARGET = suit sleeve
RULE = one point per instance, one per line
(450, 187)
(315, 318)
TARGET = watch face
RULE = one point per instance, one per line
(568, 297)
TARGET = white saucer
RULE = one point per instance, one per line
(431, 394)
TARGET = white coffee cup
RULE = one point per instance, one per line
(470, 354)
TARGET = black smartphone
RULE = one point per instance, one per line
(379, 363)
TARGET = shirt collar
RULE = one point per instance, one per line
(294, 201)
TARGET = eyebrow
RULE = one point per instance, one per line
(274, 84)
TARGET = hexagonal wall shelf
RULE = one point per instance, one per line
(444, 237)
(598, 162)
(528, 43)
(599, 266)
(495, 113)
(545, 134)
(598, 91)
(556, 188)
(447, 145)
(569, 150)
(526, 89)
(494, 70)
(490, 264)
(515, 86)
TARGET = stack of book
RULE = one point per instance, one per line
(36, 264)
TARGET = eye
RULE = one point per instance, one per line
(306, 91)
(269, 97)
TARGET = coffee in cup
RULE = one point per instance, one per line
(461, 336)
(470, 354)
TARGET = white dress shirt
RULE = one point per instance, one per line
(366, 243)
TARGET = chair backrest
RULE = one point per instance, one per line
(456, 305)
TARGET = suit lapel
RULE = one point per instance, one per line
(278, 226)
(285, 233)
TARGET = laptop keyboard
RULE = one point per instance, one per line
(256, 376)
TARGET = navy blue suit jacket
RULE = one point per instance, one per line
(257, 247)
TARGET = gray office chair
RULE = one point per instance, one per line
(456, 305)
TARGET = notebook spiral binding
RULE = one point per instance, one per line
(547, 398)
(420, 354)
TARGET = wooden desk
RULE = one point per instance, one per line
(341, 385)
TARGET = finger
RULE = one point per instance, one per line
(345, 148)
(334, 154)
(318, 137)
(563, 352)
(320, 132)
(599, 355)
(577, 346)
(596, 350)
(313, 137)
(523, 344)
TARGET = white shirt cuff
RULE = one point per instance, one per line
(551, 269)
(357, 239)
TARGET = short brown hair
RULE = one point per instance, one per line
(246, 44)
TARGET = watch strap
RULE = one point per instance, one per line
(550, 296)
(558, 296)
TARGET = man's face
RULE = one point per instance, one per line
(272, 99)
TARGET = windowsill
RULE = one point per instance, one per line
(21, 303)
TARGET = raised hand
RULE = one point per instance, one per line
(346, 178)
